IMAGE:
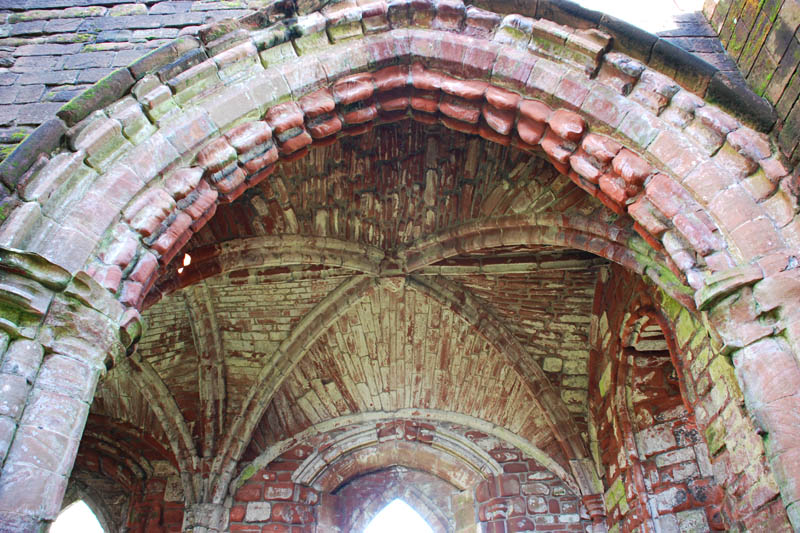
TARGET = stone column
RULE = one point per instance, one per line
(57, 332)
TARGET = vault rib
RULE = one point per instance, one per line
(272, 375)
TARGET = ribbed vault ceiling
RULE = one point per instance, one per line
(396, 347)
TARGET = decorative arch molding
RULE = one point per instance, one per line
(626, 136)
(144, 226)
(423, 416)
(460, 462)
(411, 496)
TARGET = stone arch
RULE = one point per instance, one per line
(154, 182)
(430, 419)
(652, 402)
(79, 493)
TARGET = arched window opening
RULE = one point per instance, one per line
(398, 517)
(76, 518)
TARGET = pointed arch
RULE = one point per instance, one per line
(410, 496)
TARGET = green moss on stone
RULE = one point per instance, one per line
(715, 435)
(605, 380)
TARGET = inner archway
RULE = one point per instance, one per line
(78, 517)
(398, 517)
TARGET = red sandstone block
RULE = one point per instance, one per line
(677, 153)
(264, 160)
(733, 162)
(449, 55)
(479, 59)
(203, 203)
(459, 109)
(530, 131)
(397, 100)
(567, 125)
(237, 513)
(427, 101)
(750, 144)
(323, 128)
(424, 79)
(353, 88)
(535, 110)
(391, 78)
(556, 147)
(600, 147)
(15, 392)
(283, 117)
(450, 15)
(654, 90)
(278, 491)
(249, 135)
(500, 120)
(292, 513)
(145, 268)
(131, 293)
(492, 136)
(512, 68)
(585, 166)
(148, 210)
(181, 182)
(245, 528)
(248, 493)
(757, 237)
(520, 525)
(571, 90)
(317, 103)
(231, 182)
(457, 125)
(360, 115)
(502, 99)
(630, 167)
(299, 141)
(609, 203)
(508, 484)
(664, 193)
(216, 155)
(469, 90)
(485, 490)
(426, 118)
(480, 23)
(614, 187)
(646, 214)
